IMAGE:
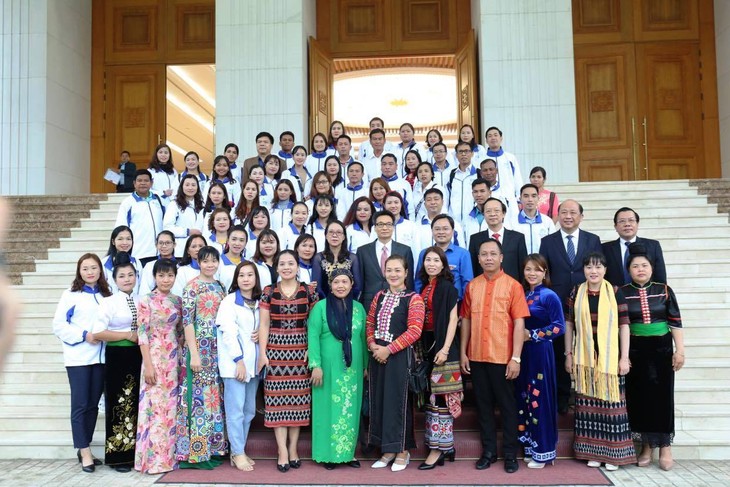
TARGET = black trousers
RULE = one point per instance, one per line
(562, 378)
(87, 384)
(490, 387)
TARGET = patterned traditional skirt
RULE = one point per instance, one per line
(287, 387)
(602, 430)
(121, 376)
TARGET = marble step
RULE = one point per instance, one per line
(702, 391)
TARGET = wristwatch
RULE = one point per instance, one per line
(517, 359)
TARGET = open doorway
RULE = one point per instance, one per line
(190, 113)
(421, 91)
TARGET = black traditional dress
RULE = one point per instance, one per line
(395, 320)
(653, 310)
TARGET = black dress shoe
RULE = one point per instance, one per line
(88, 468)
(295, 463)
(450, 455)
(428, 466)
(97, 462)
(354, 463)
(123, 468)
(282, 468)
(329, 466)
(486, 461)
(511, 465)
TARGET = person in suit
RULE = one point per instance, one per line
(626, 223)
(564, 252)
(264, 142)
(513, 243)
(127, 170)
(371, 258)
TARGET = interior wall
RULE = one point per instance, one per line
(261, 70)
(722, 44)
(527, 82)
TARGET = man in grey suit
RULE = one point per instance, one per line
(371, 258)
(564, 251)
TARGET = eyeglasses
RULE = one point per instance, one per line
(163, 243)
(625, 221)
(322, 181)
(335, 233)
(463, 152)
(384, 225)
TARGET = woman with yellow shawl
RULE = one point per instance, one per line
(597, 317)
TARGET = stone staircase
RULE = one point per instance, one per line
(34, 395)
(717, 191)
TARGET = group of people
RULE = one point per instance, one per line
(352, 308)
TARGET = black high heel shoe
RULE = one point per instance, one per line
(450, 455)
(97, 462)
(428, 466)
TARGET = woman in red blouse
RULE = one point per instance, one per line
(394, 324)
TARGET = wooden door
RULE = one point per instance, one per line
(605, 87)
(135, 114)
(670, 105)
(467, 85)
(321, 81)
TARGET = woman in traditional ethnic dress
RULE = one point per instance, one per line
(536, 389)
(394, 324)
(597, 317)
(237, 320)
(337, 358)
(116, 324)
(655, 323)
(335, 256)
(200, 439)
(442, 348)
(160, 341)
(83, 353)
(285, 307)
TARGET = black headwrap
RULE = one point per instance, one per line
(339, 316)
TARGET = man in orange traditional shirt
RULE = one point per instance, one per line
(492, 332)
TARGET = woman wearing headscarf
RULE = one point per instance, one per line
(337, 357)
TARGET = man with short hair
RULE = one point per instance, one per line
(475, 222)
(127, 170)
(460, 201)
(564, 252)
(530, 222)
(492, 332)
(442, 228)
(626, 223)
(507, 164)
(441, 166)
(142, 211)
(371, 258)
(354, 188)
(371, 158)
(490, 172)
(343, 146)
(389, 172)
(366, 147)
(264, 143)
(286, 144)
(513, 243)
(433, 201)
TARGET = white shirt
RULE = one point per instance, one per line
(534, 230)
(624, 247)
(74, 318)
(185, 274)
(109, 272)
(235, 322)
(161, 181)
(379, 249)
(180, 222)
(114, 314)
(144, 217)
(576, 237)
(357, 237)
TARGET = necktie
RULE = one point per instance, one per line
(495, 236)
(383, 258)
(627, 276)
(571, 249)
(133, 309)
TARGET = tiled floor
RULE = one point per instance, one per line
(67, 473)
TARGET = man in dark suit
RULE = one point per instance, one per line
(564, 251)
(127, 171)
(514, 250)
(371, 258)
(264, 142)
(626, 223)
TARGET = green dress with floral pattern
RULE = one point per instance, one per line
(336, 404)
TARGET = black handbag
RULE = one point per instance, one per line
(420, 376)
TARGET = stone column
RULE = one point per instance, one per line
(261, 70)
(45, 49)
(722, 44)
(527, 81)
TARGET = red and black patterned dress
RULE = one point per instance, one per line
(287, 387)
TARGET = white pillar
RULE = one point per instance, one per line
(261, 70)
(527, 81)
(45, 49)
(722, 46)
